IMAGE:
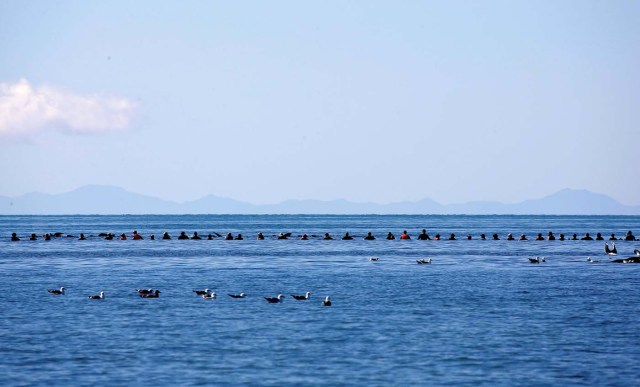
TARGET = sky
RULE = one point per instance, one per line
(376, 101)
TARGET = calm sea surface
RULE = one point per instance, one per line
(481, 314)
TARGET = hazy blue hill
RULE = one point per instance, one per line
(572, 201)
(99, 199)
(91, 199)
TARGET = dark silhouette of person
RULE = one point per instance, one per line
(109, 236)
(539, 237)
(239, 237)
(152, 237)
(283, 236)
(613, 237)
(260, 236)
(304, 237)
(136, 236)
(47, 237)
(424, 236)
(195, 236)
(452, 237)
(510, 237)
(629, 236)
(405, 236)
(369, 237)
(390, 236)
(165, 235)
(436, 237)
(183, 236)
(82, 237)
(347, 237)
(14, 237)
(574, 237)
(210, 237)
(469, 237)
(523, 237)
(586, 237)
(327, 237)
(599, 237)
(495, 237)
(483, 237)
(550, 236)
(561, 236)
(33, 237)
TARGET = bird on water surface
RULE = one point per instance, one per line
(56, 291)
(274, 300)
(98, 297)
(301, 297)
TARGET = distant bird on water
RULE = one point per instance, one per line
(57, 291)
(210, 296)
(154, 294)
(241, 295)
(536, 260)
(424, 261)
(201, 292)
(144, 291)
(374, 259)
(274, 300)
(300, 297)
(99, 297)
(326, 302)
(612, 251)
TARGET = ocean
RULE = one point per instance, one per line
(480, 314)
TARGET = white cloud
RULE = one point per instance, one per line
(25, 110)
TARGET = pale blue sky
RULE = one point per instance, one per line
(363, 100)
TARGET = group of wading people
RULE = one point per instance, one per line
(390, 236)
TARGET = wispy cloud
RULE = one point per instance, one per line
(26, 110)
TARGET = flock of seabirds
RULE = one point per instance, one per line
(208, 294)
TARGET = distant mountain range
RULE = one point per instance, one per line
(108, 200)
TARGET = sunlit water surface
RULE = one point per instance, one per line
(480, 314)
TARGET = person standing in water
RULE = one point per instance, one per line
(424, 236)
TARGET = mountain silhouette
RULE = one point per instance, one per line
(109, 200)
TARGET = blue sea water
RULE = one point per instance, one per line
(481, 314)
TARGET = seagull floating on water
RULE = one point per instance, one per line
(201, 292)
(99, 297)
(590, 260)
(300, 297)
(57, 291)
(326, 302)
(144, 291)
(536, 260)
(210, 296)
(275, 300)
(612, 251)
(424, 261)
(374, 259)
(154, 294)
(241, 295)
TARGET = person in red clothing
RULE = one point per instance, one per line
(405, 235)
(136, 236)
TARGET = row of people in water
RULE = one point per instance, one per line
(390, 236)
